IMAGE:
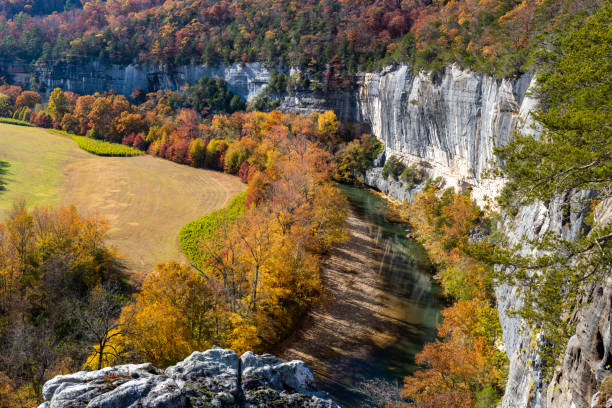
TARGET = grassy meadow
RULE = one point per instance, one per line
(145, 199)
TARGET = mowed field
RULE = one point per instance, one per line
(145, 199)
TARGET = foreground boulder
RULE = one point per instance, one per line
(214, 378)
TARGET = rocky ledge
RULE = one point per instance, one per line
(214, 378)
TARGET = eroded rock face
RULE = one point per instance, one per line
(451, 121)
(588, 356)
(245, 80)
(214, 378)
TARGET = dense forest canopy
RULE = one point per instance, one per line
(327, 36)
(9, 8)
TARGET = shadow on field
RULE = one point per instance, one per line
(4, 166)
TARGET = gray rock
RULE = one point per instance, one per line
(245, 80)
(213, 378)
(451, 122)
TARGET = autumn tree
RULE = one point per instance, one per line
(58, 105)
(49, 259)
(176, 313)
(99, 318)
(27, 99)
(5, 105)
(463, 368)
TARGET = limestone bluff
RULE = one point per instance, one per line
(213, 378)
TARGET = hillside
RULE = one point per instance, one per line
(330, 37)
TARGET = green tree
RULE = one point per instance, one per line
(572, 153)
(574, 150)
(5, 106)
(58, 104)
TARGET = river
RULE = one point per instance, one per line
(382, 305)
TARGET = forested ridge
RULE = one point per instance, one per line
(331, 38)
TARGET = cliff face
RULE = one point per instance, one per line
(214, 378)
(450, 125)
(245, 80)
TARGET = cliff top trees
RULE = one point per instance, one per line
(575, 90)
(330, 38)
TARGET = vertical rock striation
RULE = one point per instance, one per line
(245, 80)
(450, 122)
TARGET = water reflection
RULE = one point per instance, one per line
(410, 298)
(384, 305)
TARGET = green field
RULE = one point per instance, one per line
(34, 162)
(15, 122)
(145, 199)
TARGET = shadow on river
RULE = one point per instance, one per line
(383, 305)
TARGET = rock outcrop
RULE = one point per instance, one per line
(214, 378)
(450, 121)
(587, 359)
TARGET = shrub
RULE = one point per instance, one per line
(215, 152)
(234, 157)
(244, 171)
(140, 143)
(5, 105)
(393, 167)
(192, 234)
(412, 175)
(356, 157)
(101, 148)
(15, 122)
(70, 123)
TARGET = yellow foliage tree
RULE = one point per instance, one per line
(176, 313)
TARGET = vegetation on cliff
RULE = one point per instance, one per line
(572, 154)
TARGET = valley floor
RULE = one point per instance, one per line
(145, 199)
